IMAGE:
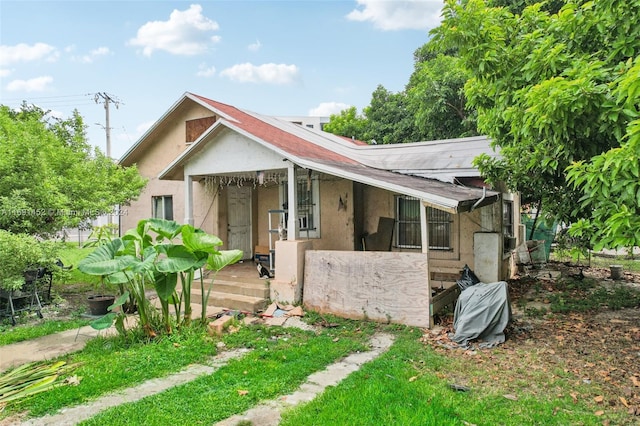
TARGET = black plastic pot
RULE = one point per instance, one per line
(98, 304)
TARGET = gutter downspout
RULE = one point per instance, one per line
(484, 195)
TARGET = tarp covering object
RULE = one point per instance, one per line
(482, 312)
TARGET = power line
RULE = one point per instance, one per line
(106, 99)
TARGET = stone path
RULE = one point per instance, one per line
(79, 413)
(267, 414)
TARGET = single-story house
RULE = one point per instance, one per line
(346, 227)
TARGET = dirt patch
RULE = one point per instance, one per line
(599, 345)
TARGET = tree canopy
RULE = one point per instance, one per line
(432, 106)
(554, 91)
(51, 177)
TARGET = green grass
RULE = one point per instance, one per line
(573, 295)
(108, 364)
(409, 385)
(281, 360)
(10, 334)
(71, 255)
(598, 260)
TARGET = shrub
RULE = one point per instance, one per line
(20, 252)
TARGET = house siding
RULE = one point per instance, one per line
(164, 144)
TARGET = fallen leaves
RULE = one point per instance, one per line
(597, 350)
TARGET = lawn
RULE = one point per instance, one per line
(570, 358)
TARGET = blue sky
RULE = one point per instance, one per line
(272, 57)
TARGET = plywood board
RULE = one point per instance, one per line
(382, 286)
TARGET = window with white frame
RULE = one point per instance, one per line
(162, 207)
(308, 211)
(408, 225)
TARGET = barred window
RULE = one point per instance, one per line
(408, 225)
(308, 212)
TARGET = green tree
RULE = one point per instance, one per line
(348, 123)
(436, 97)
(390, 119)
(544, 89)
(611, 181)
(51, 178)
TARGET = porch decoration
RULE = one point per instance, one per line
(260, 178)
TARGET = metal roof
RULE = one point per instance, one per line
(425, 170)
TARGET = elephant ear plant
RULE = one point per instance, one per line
(160, 254)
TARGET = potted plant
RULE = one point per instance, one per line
(162, 255)
(99, 303)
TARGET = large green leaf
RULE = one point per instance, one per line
(105, 259)
(167, 229)
(177, 259)
(103, 322)
(198, 240)
(165, 284)
(217, 261)
(139, 266)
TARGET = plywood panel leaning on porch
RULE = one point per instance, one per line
(381, 286)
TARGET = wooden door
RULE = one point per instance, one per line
(239, 203)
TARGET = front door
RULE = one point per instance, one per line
(239, 235)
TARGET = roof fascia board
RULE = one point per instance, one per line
(163, 117)
(442, 202)
(210, 107)
(193, 147)
(154, 126)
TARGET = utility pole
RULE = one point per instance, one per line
(107, 99)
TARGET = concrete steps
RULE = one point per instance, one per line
(235, 292)
(234, 299)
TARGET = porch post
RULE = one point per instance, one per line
(424, 235)
(188, 199)
(292, 222)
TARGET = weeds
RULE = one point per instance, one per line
(573, 295)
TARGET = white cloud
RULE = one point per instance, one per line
(37, 84)
(325, 109)
(25, 53)
(254, 47)
(185, 33)
(92, 55)
(398, 15)
(5, 72)
(204, 71)
(265, 73)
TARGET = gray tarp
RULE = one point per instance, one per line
(482, 312)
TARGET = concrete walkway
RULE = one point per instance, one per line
(46, 347)
(268, 414)
(79, 413)
(51, 346)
